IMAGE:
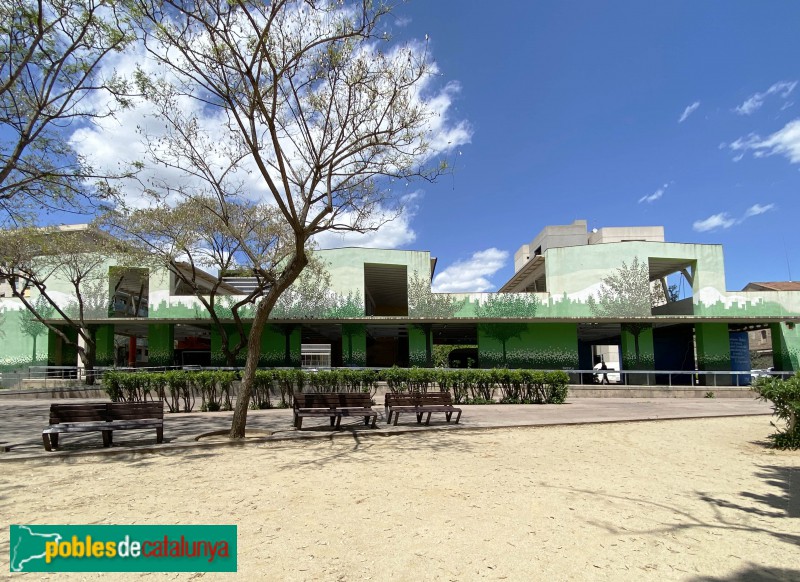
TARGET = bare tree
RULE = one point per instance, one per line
(33, 259)
(50, 59)
(314, 112)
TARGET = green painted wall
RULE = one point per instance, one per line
(528, 345)
(354, 344)
(161, 344)
(23, 342)
(417, 349)
(346, 265)
(713, 346)
(104, 345)
(785, 347)
(275, 341)
(217, 356)
(645, 360)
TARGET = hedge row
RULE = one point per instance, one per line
(179, 388)
(785, 398)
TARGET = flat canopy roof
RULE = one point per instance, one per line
(389, 320)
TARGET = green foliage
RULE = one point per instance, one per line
(785, 398)
(479, 386)
(262, 387)
(709, 395)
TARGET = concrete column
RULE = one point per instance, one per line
(712, 341)
(161, 344)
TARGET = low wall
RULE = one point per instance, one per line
(659, 392)
(54, 392)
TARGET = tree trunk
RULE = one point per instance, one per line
(505, 365)
(88, 358)
(33, 357)
(249, 373)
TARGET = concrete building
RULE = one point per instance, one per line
(576, 296)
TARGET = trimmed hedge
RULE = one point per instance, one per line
(785, 398)
(179, 388)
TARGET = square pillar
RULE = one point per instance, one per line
(419, 338)
(104, 345)
(785, 346)
(161, 344)
(638, 352)
(712, 341)
(354, 344)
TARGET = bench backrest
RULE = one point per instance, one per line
(418, 399)
(83, 412)
(436, 399)
(105, 411)
(135, 410)
(332, 400)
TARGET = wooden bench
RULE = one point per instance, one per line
(420, 404)
(104, 417)
(333, 405)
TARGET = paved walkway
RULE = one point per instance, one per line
(22, 421)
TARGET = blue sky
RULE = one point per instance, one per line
(620, 113)
(684, 114)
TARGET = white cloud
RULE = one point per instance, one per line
(393, 231)
(724, 220)
(755, 101)
(721, 220)
(655, 195)
(688, 111)
(471, 275)
(785, 141)
(757, 209)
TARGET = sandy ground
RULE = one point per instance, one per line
(673, 500)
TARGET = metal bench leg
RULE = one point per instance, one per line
(447, 416)
(396, 416)
(54, 440)
(338, 421)
(374, 420)
(107, 438)
(160, 434)
(366, 420)
(46, 441)
(428, 420)
(458, 416)
(333, 421)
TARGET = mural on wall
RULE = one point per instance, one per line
(31, 326)
(627, 293)
(506, 305)
(423, 303)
